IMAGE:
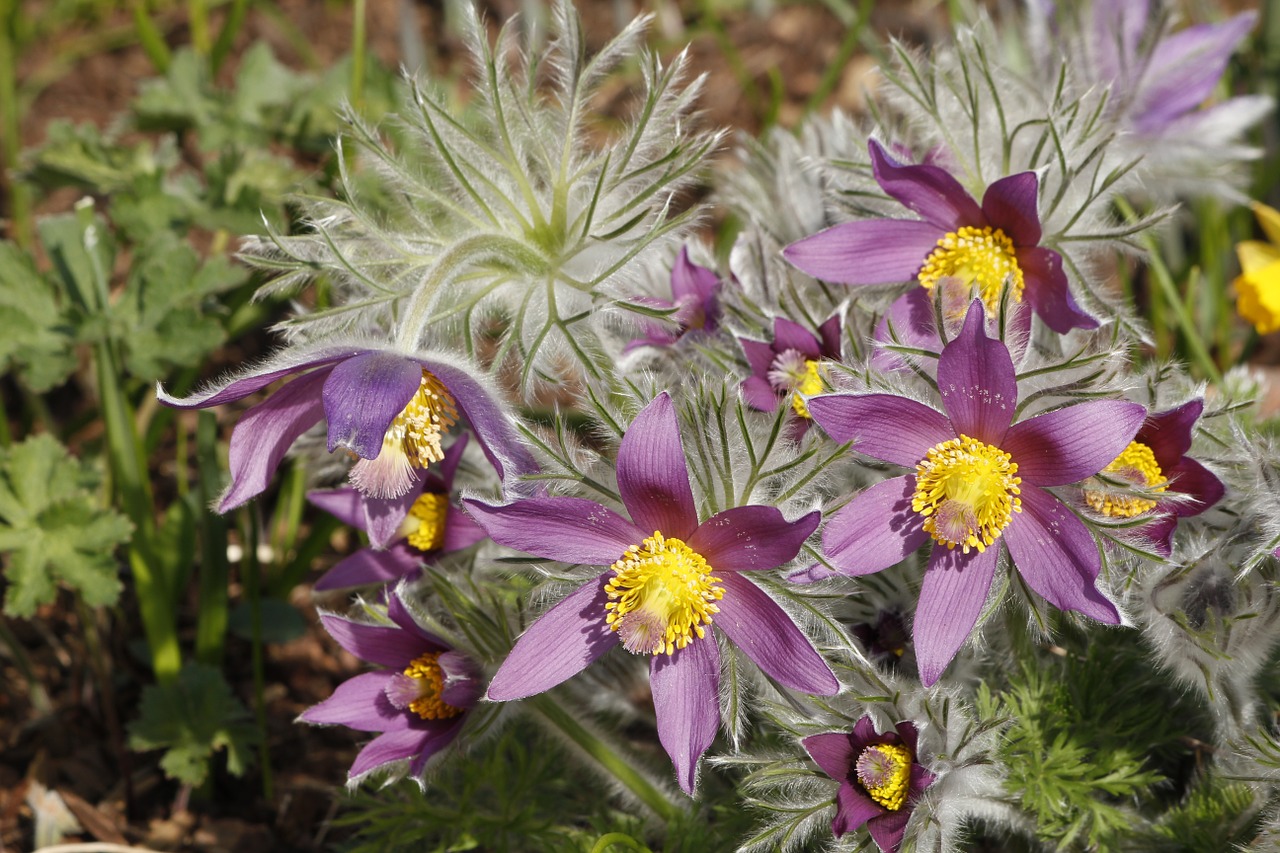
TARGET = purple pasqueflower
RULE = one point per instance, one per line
(670, 577)
(402, 532)
(979, 481)
(988, 247)
(695, 300)
(790, 366)
(911, 321)
(880, 779)
(390, 410)
(1156, 460)
(418, 704)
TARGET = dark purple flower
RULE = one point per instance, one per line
(790, 366)
(1156, 459)
(880, 779)
(418, 703)
(979, 480)
(390, 410)
(886, 639)
(986, 246)
(694, 298)
(402, 532)
(669, 577)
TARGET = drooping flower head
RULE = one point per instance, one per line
(1258, 287)
(1156, 460)
(988, 247)
(402, 532)
(979, 482)
(695, 300)
(418, 703)
(669, 579)
(390, 410)
(880, 778)
(790, 366)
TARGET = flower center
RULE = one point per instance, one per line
(661, 595)
(967, 492)
(884, 771)
(412, 441)
(1136, 464)
(424, 525)
(982, 256)
(792, 373)
(418, 689)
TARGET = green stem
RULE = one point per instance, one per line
(150, 37)
(227, 35)
(357, 54)
(11, 126)
(198, 21)
(211, 621)
(253, 586)
(617, 765)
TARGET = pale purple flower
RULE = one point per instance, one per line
(671, 577)
(695, 302)
(418, 704)
(388, 409)
(989, 246)
(880, 779)
(790, 365)
(979, 481)
(402, 532)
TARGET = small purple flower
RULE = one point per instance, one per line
(880, 779)
(402, 532)
(790, 366)
(979, 480)
(670, 577)
(418, 704)
(1156, 459)
(988, 246)
(695, 300)
(390, 410)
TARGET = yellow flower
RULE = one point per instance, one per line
(1258, 287)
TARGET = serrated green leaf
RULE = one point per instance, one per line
(53, 529)
(83, 255)
(36, 338)
(84, 156)
(192, 718)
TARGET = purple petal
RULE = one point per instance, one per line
(759, 394)
(691, 281)
(829, 335)
(1159, 532)
(910, 322)
(363, 395)
(387, 749)
(559, 645)
(909, 735)
(1191, 478)
(955, 588)
(888, 829)
(1117, 32)
(759, 355)
(1048, 292)
(876, 529)
(460, 531)
(1010, 204)
(1057, 557)
(1070, 444)
(750, 538)
(437, 735)
(264, 433)
(765, 633)
(686, 699)
(345, 504)
(462, 680)
(928, 190)
(1168, 434)
(359, 703)
(368, 566)
(653, 476)
(882, 426)
(920, 778)
(449, 464)
(868, 251)
(383, 516)
(383, 645)
(977, 382)
(831, 751)
(853, 809)
(571, 530)
(865, 734)
(257, 377)
(399, 614)
(791, 335)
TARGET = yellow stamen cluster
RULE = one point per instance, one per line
(661, 596)
(810, 383)
(884, 771)
(967, 491)
(425, 521)
(426, 672)
(1137, 465)
(982, 256)
(423, 422)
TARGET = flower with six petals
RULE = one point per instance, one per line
(790, 366)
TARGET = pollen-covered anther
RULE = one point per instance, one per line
(884, 771)
(423, 527)
(1137, 465)
(419, 687)
(985, 257)
(412, 441)
(967, 492)
(792, 373)
(661, 596)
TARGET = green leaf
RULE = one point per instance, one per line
(86, 157)
(53, 528)
(36, 339)
(191, 719)
(280, 621)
